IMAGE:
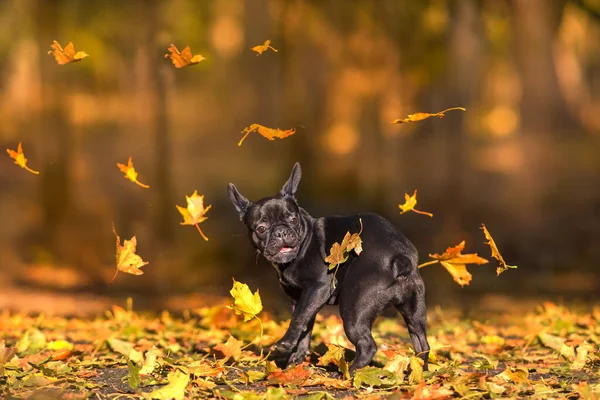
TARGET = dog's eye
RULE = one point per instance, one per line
(294, 220)
(261, 229)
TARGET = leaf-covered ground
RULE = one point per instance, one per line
(549, 352)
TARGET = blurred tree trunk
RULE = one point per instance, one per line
(535, 26)
(158, 127)
(465, 52)
(54, 131)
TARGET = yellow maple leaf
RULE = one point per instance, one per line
(66, 55)
(420, 116)
(183, 58)
(495, 252)
(335, 354)
(20, 159)
(456, 263)
(261, 48)
(195, 211)
(245, 302)
(130, 173)
(339, 253)
(127, 260)
(409, 205)
(269, 133)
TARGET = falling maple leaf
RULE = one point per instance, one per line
(269, 133)
(409, 205)
(420, 116)
(195, 212)
(261, 48)
(495, 252)
(130, 173)
(127, 260)
(183, 58)
(20, 159)
(245, 302)
(295, 376)
(66, 55)
(456, 263)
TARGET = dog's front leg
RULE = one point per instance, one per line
(312, 299)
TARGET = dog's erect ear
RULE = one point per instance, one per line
(291, 186)
(240, 203)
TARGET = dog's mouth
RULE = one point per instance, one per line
(286, 249)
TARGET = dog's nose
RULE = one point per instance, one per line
(282, 232)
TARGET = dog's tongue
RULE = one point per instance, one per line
(285, 249)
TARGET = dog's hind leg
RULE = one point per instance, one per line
(358, 315)
(410, 302)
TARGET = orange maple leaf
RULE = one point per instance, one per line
(269, 133)
(195, 211)
(296, 375)
(20, 159)
(261, 48)
(127, 260)
(232, 348)
(130, 173)
(409, 205)
(183, 58)
(420, 116)
(66, 55)
(456, 263)
(495, 252)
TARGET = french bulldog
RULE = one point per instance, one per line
(296, 244)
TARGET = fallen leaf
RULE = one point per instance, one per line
(183, 58)
(130, 173)
(558, 344)
(397, 362)
(174, 390)
(295, 375)
(232, 348)
(374, 377)
(416, 370)
(244, 301)
(420, 116)
(269, 133)
(581, 356)
(261, 48)
(455, 262)
(195, 211)
(6, 354)
(127, 260)
(517, 375)
(66, 55)
(20, 159)
(409, 205)
(335, 355)
(495, 252)
(133, 375)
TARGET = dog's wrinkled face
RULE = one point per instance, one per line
(276, 226)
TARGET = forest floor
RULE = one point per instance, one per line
(547, 351)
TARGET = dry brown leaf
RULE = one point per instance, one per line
(130, 173)
(20, 159)
(420, 116)
(409, 204)
(261, 48)
(183, 58)
(495, 252)
(127, 260)
(269, 133)
(66, 55)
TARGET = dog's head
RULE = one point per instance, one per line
(277, 226)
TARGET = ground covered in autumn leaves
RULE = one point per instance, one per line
(547, 352)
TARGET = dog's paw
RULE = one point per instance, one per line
(296, 358)
(283, 347)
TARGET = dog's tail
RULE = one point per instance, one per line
(405, 264)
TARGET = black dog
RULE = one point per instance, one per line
(384, 274)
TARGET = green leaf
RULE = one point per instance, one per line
(174, 390)
(120, 346)
(32, 341)
(374, 377)
(133, 378)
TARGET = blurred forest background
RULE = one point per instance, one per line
(524, 158)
